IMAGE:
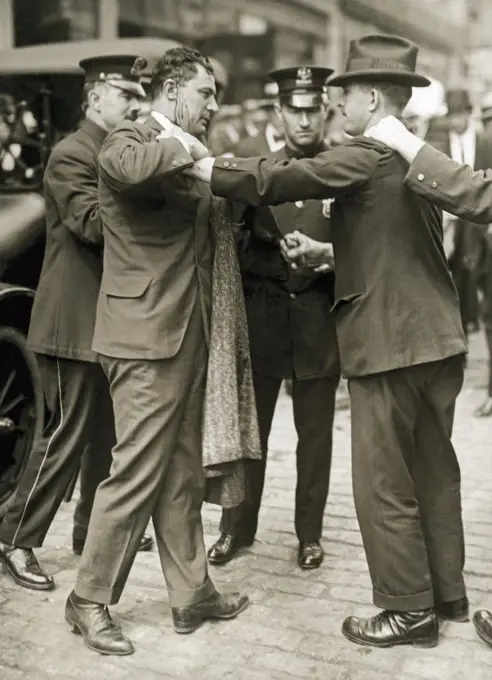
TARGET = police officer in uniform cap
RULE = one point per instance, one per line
(80, 431)
(291, 329)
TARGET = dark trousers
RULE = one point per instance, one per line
(156, 472)
(314, 409)
(488, 335)
(80, 432)
(406, 481)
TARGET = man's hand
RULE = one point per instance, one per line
(301, 251)
(192, 145)
(393, 133)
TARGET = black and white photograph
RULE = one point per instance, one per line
(245, 339)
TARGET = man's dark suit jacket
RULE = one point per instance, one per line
(470, 246)
(395, 301)
(291, 329)
(63, 316)
(157, 245)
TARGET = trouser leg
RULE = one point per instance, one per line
(384, 410)
(69, 392)
(96, 458)
(488, 335)
(243, 519)
(314, 411)
(150, 400)
(437, 481)
(177, 515)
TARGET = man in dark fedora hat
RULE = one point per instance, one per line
(291, 330)
(401, 344)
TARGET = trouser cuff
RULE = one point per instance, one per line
(187, 598)
(98, 594)
(404, 603)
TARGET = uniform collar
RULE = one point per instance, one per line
(294, 153)
(94, 130)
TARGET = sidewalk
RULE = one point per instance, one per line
(292, 629)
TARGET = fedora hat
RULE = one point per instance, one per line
(458, 101)
(386, 58)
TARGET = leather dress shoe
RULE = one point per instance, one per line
(219, 606)
(485, 410)
(388, 628)
(482, 620)
(23, 567)
(227, 547)
(456, 610)
(145, 544)
(310, 555)
(94, 623)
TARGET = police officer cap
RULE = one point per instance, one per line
(301, 87)
(119, 70)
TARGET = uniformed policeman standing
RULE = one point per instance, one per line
(291, 329)
(62, 323)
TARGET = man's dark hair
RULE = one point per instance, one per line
(178, 63)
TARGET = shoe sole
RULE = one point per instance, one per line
(482, 635)
(74, 628)
(383, 645)
(224, 617)
(25, 584)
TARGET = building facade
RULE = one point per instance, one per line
(248, 36)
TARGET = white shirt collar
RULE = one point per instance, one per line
(273, 144)
(163, 120)
(463, 147)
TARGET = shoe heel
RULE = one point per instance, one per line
(72, 627)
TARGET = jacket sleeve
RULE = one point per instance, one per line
(71, 183)
(127, 160)
(453, 187)
(265, 181)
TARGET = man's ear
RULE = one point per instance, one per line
(375, 99)
(94, 99)
(170, 89)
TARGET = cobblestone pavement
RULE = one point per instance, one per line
(292, 628)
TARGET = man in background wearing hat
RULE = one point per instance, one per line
(81, 424)
(268, 137)
(291, 330)
(401, 344)
(457, 136)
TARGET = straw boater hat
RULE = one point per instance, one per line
(387, 58)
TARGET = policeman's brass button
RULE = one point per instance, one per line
(420, 176)
(226, 164)
(234, 165)
(175, 162)
(434, 185)
(292, 296)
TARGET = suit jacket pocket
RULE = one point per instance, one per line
(125, 286)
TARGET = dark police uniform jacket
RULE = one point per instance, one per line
(291, 328)
(63, 315)
(395, 301)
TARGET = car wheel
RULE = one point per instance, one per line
(21, 409)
